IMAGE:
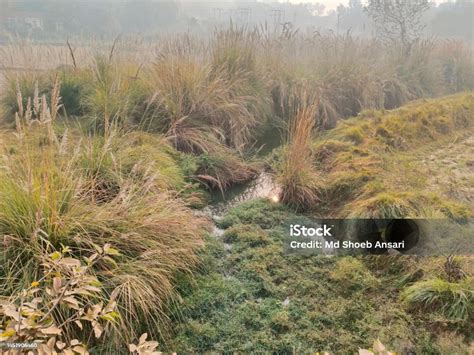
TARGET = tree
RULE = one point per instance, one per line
(398, 20)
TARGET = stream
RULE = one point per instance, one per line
(262, 187)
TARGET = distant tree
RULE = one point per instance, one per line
(398, 20)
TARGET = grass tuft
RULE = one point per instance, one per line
(454, 300)
(300, 183)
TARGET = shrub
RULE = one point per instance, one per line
(66, 288)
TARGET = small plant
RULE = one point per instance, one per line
(31, 316)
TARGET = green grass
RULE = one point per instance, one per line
(454, 300)
(250, 297)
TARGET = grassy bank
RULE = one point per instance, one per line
(410, 162)
(390, 164)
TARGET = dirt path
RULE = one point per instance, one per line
(451, 170)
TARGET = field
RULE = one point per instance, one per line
(148, 188)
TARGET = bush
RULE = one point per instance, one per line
(65, 287)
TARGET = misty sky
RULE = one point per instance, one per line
(330, 4)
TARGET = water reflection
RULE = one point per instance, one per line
(264, 186)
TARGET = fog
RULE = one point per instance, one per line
(53, 20)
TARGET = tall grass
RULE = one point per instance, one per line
(207, 96)
(195, 99)
(300, 183)
(224, 86)
(46, 204)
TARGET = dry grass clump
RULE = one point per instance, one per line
(222, 169)
(144, 156)
(392, 204)
(45, 204)
(192, 101)
(110, 162)
(342, 70)
(115, 94)
(454, 300)
(300, 183)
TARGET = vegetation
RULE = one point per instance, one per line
(300, 183)
(398, 22)
(108, 166)
(252, 297)
(455, 300)
(359, 157)
(61, 193)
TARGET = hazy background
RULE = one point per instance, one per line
(54, 20)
